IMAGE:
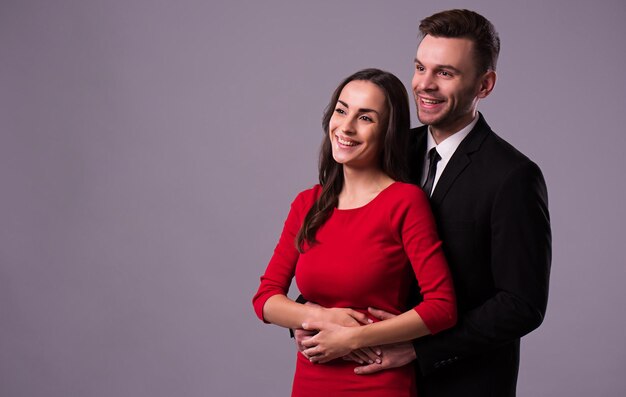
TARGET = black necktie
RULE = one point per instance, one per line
(433, 158)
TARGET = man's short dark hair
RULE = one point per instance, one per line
(470, 25)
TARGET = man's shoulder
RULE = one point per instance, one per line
(499, 162)
(495, 149)
(483, 145)
(419, 130)
(503, 153)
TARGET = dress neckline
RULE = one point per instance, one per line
(347, 210)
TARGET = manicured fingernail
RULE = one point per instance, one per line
(369, 320)
(378, 361)
(371, 362)
(379, 352)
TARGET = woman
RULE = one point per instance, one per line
(359, 239)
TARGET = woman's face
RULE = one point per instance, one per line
(357, 124)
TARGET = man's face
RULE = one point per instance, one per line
(446, 84)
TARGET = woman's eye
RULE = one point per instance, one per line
(340, 111)
(366, 118)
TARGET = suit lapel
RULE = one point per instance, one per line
(460, 160)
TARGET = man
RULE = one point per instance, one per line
(490, 203)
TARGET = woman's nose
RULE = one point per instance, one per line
(348, 126)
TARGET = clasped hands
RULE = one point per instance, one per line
(334, 337)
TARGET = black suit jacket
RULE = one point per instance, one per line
(491, 208)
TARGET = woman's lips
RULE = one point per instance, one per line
(346, 141)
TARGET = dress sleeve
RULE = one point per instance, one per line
(282, 265)
(417, 230)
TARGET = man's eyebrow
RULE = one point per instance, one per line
(361, 110)
(448, 67)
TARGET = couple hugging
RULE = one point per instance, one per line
(423, 255)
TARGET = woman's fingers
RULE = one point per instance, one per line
(360, 317)
(380, 314)
(315, 355)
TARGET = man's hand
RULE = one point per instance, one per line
(393, 356)
(300, 335)
(365, 355)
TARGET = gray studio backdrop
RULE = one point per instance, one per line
(149, 151)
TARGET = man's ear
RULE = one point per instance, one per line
(487, 82)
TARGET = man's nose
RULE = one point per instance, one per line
(425, 82)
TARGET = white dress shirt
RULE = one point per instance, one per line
(446, 149)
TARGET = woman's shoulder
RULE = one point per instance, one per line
(401, 197)
(307, 197)
(409, 192)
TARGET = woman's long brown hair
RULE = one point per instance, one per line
(393, 159)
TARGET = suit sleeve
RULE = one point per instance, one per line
(520, 266)
(282, 265)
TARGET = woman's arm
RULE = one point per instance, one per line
(414, 227)
(333, 340)
(280, 310)
(271, 303)
(281, 267)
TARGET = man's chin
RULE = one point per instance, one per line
(428, 119)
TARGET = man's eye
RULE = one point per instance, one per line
(445, 74)
(419, 68)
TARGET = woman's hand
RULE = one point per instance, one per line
(332, 341)
(337, 315)
(343, 316)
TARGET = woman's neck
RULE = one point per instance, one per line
(361, 186)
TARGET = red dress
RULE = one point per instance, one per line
(367, 256)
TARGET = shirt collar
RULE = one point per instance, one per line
(448, 146)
